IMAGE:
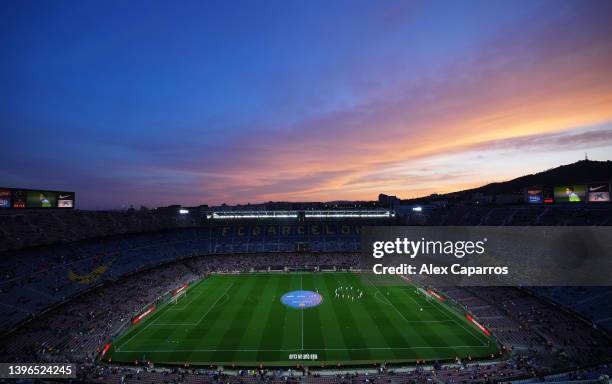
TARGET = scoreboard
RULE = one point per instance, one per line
(18, 198)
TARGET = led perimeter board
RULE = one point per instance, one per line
(18, 198)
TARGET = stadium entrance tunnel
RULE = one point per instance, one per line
(301, 299)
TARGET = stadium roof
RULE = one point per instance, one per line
(353, 213)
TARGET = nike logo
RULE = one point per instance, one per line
(64, 197)
(597, 188)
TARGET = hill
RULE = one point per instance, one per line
(576, 173)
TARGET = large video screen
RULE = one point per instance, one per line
(65, 199)
(599, 192)
(19, 198)
(5, 198)
(534, 196)
(41, 199)
(570, 194)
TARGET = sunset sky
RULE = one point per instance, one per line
(160, 102)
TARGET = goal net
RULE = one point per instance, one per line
(177, 296)
(424, 292)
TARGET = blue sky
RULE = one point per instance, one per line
(154, 103)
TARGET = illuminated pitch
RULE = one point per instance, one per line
(302, 318)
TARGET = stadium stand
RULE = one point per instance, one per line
(116, 263)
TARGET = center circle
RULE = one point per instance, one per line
(301, 299)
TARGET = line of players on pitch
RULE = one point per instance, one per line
(348, 292)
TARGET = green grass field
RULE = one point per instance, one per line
(240, 319)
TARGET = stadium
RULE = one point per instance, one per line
(306, 192)
(197, 295)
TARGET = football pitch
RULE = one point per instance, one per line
(286, 319)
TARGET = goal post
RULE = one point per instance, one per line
(430, 294)
(426, 293)
(177, 293)
(177, 296)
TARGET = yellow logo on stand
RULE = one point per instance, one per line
(90, 277)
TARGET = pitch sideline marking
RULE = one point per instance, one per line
(469, 331)
(392, 305)
(188, 303)
(154, 320)
(184, 305)
(307, 349)
(215, 303)
(225, 295)
(409, 321)
(134, 335)
(426, 304)
(385, 301)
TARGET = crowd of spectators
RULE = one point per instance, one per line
(594, 303)
(29, 228)
(539, 337)
(523, 214)
(36, 278)
(70, 279)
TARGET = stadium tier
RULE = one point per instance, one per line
(97, 289)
